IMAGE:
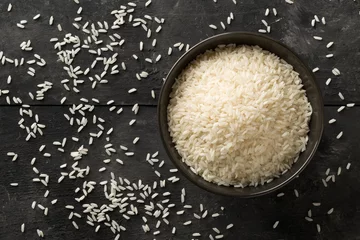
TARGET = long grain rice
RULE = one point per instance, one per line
(204, 113)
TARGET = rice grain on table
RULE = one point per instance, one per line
(336, 71)
(341, 96)
(267, 11)
(275, 224)
(328, 81)
(275, 12)
(222, 25)
(329, 44)
(313, 23)
(323, 20)
(348, 166)
(339, 135)
(318, 227)
(147, 3)
(331, 121)
(296, 193)
(341, 108)
(280, 194)
(229, 226)
(204, 113)
(330, 211)
(324, 182)
(213, 26)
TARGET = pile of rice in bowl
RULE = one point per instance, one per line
(238, 115)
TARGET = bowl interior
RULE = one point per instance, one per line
(312, 91)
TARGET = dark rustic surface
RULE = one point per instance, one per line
(186, 21)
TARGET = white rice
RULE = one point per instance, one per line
(222, 25)
(310, 213)
(339, 135)
(331, 121)
(330, 211)
(348, 166)
(339, 171)
(147, 3)
(280, 194)
(187, 223)
(51, 20)
(336, 71)
(229, 226)
(276, 224)
(132, 90)
(324, 182)
(329, 44)
(267, 11)
(296, 193)
(341, 96)
(275, 12)
(318, 228)
(212, 26)
(75, 225)
(341, 108)
(313, 23)
(230, 143)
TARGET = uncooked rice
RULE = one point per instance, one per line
(243, 124)
(276, 224)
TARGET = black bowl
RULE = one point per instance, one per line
(312, 91)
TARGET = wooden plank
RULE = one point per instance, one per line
(185, 22)
(253, 218)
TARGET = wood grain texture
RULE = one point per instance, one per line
(253, 218)
(185, 22)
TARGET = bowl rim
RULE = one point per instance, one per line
(199, 180)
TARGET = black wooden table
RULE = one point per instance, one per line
(186, 22)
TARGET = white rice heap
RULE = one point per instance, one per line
(238, 115)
